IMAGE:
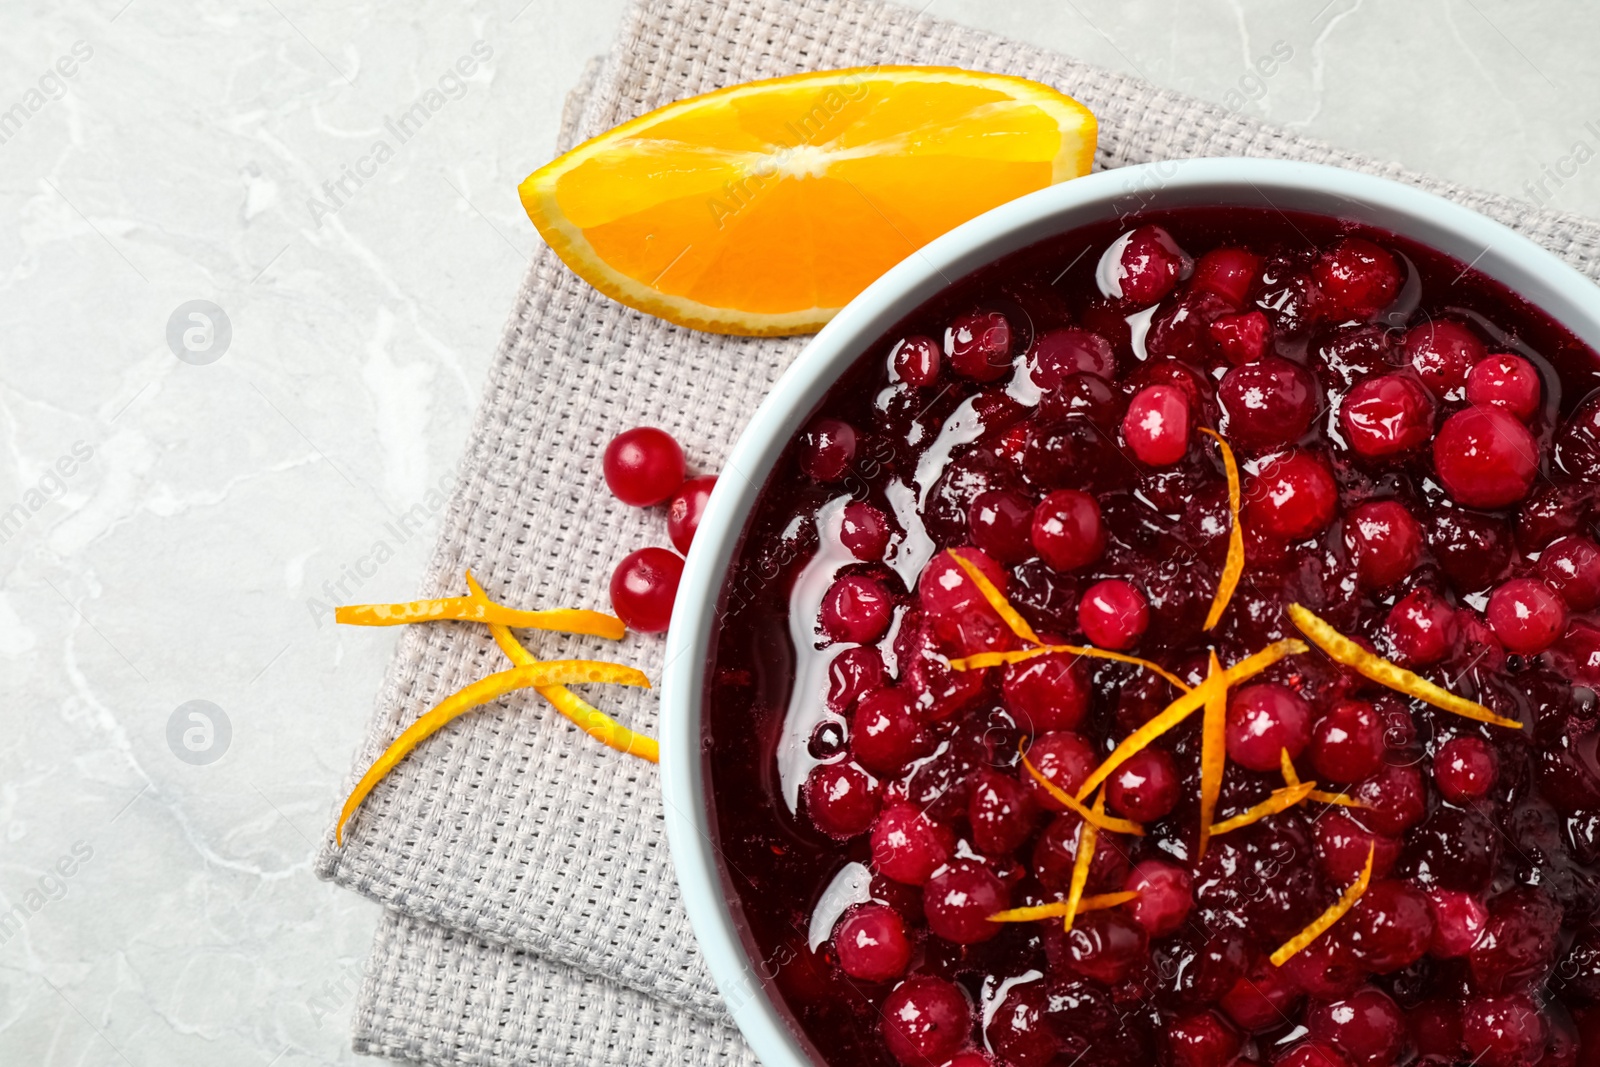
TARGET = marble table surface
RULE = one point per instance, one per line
(235, 347)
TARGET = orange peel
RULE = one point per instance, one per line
(472, 609)
(996, 599)
(1103, 821)
(1279, 800)
(1058, 909)
(980, 660)
(1321, 923)
(1290, 778)
(1375, 668)
(1081, 860)
(1213, 749)
(1233, 568)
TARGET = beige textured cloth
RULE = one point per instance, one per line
(533, 916)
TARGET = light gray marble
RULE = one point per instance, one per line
(179, 521)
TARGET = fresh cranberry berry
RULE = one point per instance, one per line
(1203, 1039)
(1143, 266)
(1268, 404)
(1383, 540)
(685, 509)
(1156, 426)
(826, 449)
(1389, 927)
(1105, 945)
(1243, 338)
(841, 800)
(1292, 497)
(1263, 720)
(1571, 565)
(872, 944)
(1527, 615)
(1000, 523)
(1347, 742)
(1001, 812)
(1459, 920)
(1485, 458)
(1505, 381)
(1394, 797)
(1505, 1031)
(1019, 1029)
(915, 360)
(1366, 1026)
(856, 608)
(1228, 272)
(643, 466)
(944, 588)
(885, 733)
(643, 587)
(1058, 354)
(1357, 278)
(1046, 693)
(1261, 999)
(925, 1020)
(864, 531)
(1386, 416)
(1421, 628)
(1067, 531)
(1166, 893)
(1113, 614)
(1066, 760)
(1312, 1054)
(907, 846)
(1444, 352)
(1342, 844)
(979, 346)
(1145, 787)
(852, 674)
(959, 900)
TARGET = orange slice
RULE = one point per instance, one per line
(763, 208)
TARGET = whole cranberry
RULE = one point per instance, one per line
(852, 674)
(643, 588)
(979, 346)
(1055, 853)
(959, 899)
(1386, 416)
(1243, 338)
(1066, 760)
(841, 800)
(1166, 893)
(1058, 354)
(1203, 1039)
(1046, 693)
(1342, 844)
(1421, 628)
(1143, 266)
(915, 360)
(1292, 497)
(1263, 720)
(1505, 381)
(856, 609)
(1001, 811)
(1527, 615)
(1581, 649)
(1395, 798)
(1145, 787)
(1268, 404)
(685, 509)
(1000, 523)
(1156, 426)
(1017, 1027)
(1067, 531)
(643, 466)
(1436, 1030)
(1261, 999)
(1464, 769)
(954, 605)
(1366, 1026)
(1485, 458)
(1357, 278)
(1520, 942)
(1505, 1031)
(1228, 272)
(1389, 927)
(1459, 919)
(1105, 945)
(1347, 742)
(907, 846)
(1312, 1054)
(1571, 565)
(1383, 540)
(871, 943)
(1473, 549)
(1113, 614)
(1578, 441)
(1086, 396)
(1443, 352)
(826, 449)
(864, 531)
(925, 1020)
(940, 690)
(886, 733)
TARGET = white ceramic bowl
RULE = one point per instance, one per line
(1490, 247)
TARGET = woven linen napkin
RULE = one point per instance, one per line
(532, 902)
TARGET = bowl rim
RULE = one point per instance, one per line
(1526, 268)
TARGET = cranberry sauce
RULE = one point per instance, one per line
(1420, 454)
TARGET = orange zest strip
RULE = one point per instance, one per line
(1002, 607)
(1280, 800)
(1343, 650)
(1103, 821)
(547, 673)
(1185, 705)
(1080, 864)
(1058, 909)
(1233, 569)
(1213, 749)
(1320, 925)
(591, 720)
(472, 609)
(1344, 800)
(996, 659)
(1286, 764)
